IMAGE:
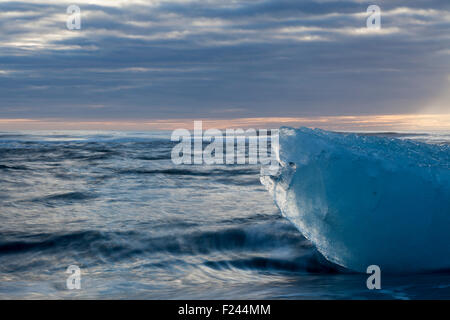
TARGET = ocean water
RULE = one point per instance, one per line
(139, 227)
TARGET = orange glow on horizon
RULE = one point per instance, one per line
(402, 122)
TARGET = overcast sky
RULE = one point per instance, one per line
(222, 59)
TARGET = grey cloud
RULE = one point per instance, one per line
(221, 59)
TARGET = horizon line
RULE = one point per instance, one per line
(392, 122)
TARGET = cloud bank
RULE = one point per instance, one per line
(222, 59)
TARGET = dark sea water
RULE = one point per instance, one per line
(140, 227)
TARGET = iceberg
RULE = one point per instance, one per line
(366, 200)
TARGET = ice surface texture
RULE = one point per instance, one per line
(366, 200)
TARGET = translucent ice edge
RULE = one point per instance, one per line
(366, 200)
